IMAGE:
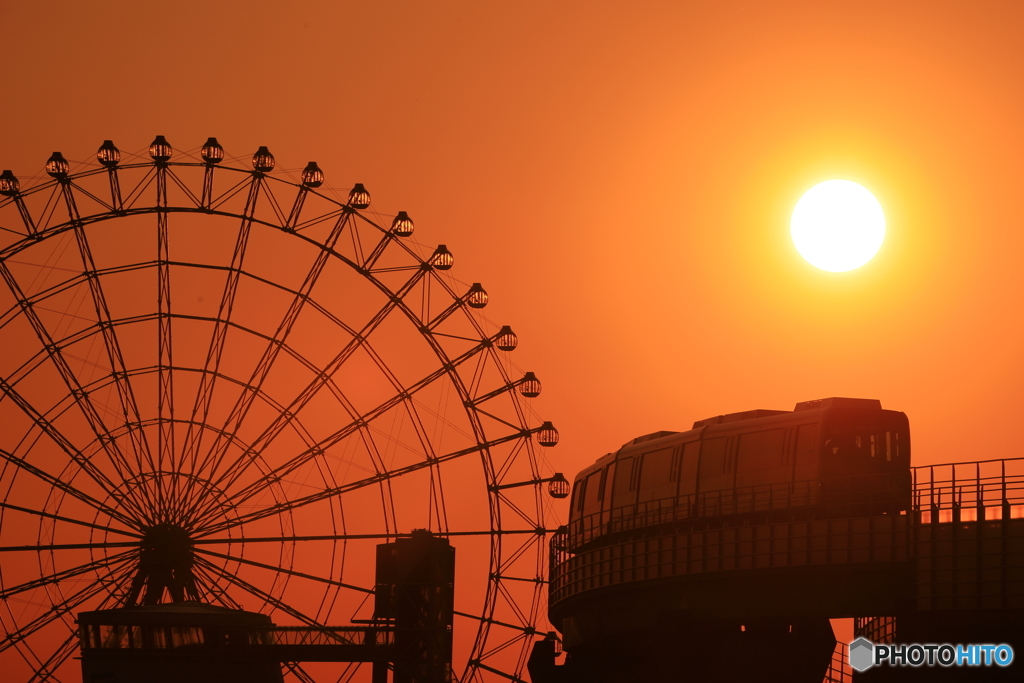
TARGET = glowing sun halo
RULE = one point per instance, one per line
(837, 226)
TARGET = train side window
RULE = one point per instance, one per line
(578, 495)
(675, 470)
(623, 477)
(688, 474)
(656, 481)
(806, 465)
(713, 458)
(592, 491)
(657, 468)
(761, 450)
(806, 443)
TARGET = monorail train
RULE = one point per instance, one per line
(821, 458)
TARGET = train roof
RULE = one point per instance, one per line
(821, 404)
(649, 437)
(817, 404)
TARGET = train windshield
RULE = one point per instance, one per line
(875, 440)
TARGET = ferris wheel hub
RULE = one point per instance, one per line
(166, 559)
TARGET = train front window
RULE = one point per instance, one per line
(896, 445)
(870, 442)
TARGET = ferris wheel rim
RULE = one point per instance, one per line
(486, 617)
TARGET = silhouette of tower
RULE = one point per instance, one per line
(415, 588)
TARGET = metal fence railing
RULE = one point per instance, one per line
(878, 539)
(969, 491)
(844, 497)
(327, 635)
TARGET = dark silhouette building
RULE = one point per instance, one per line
(170, 643)
(410, 634)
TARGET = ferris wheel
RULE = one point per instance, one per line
(258, 380)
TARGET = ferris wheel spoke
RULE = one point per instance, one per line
(45, 669)
(528, 630)
(67, 488)
(335, 491)
(55, 612)
(323, 377)
(125, 393)
(283, 570)
(278, 340)
(207, 585)
(165, 361)
(215, 351)
(57, 577)
(295, 668)
(257, 592)
(57, 437)
(67, 546)
(54, 353)
(353, 426)
(60, 518)
(82, 400)
(202, 539)
(497, 672)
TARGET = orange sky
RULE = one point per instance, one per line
(619, 178)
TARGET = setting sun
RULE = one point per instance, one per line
(838, 226)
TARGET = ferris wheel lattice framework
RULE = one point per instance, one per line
(219, 384)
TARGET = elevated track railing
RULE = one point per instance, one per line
(815, 527)
(878, 540)
(969, 491)
(857, 495)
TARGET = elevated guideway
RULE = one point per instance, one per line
(949, 569)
